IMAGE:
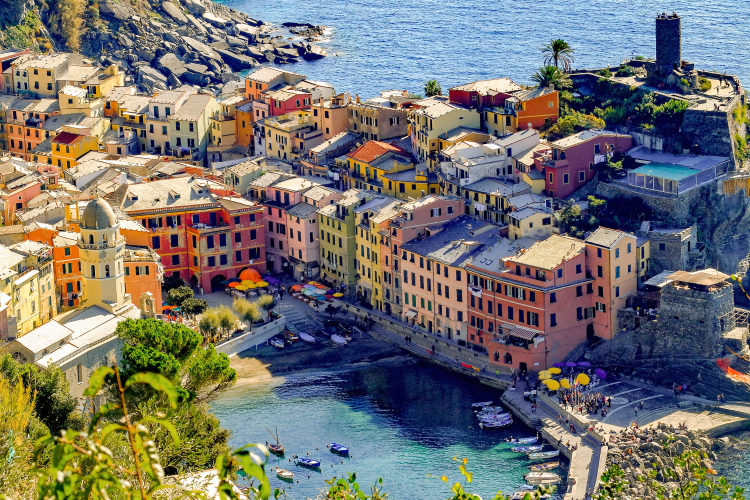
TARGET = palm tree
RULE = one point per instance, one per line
(558, 53)
(432, 88)
(551, 75)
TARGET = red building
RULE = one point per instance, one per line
(287, 100)
(484, 93)
(202, 230)
(569, 163)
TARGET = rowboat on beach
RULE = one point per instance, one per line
(544, 455)
(306, 337)
(338, 339)
(542, 478)
(278, 343)
(545, 466)
(527, 449)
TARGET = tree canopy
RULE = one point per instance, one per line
(551, 75)
(558, 53)
(432, 88)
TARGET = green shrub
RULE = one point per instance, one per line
(178, 295)
(605, 73)
(625, 70)
(704, 84)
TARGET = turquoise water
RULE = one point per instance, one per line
(400, 45)
(400, 422)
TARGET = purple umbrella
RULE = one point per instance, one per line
(601, 373)
(570, 364)
(584, 363)
(559, 365)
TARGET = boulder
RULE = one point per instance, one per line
(237, 62)
(196, 7)
(249, 32)
(174, 12)
(172, 37)
(135, 28)
(195, 79)
(170, 64)
(196, 24)
(287, 53)
(151, 78)
(115, 10)
(125, 41)
(255, 53)
(215, 20)
(220, 45)
(201, 48)
(656, 447)
(678, 448)
(314, 52)
(196, 68)
(236, 41)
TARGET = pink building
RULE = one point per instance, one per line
(304, 236)
(569, 163)
(412, 221)
(530, 310)
(434, 278)
(287, 100)
(16, 196)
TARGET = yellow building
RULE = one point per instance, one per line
(434, 117)
(530, 223)
(39, 74)
(67, 147)
(77, 100)
(287, 137)
(224, 122)
(460, 134)
(368, 248)
(103, 83)
(27, 278)
(488, 198)
(643, 258)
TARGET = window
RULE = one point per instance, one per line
(511, 313)
(238, 256)
(174, 240)
(532, 296)
(210, 241)
(532, 319)
(67, 251)
(600, 271)
(553, 297)
(156, 242)
(662, 246)
(617, 272)
(253, 234)
(617, 253)
(191, 126)
(566, 178)
(175, 260)
(579, 291)
(553, 319)
(223, 259)
(459, 294)
(560, 273)
(177, 126)
(630, 248)
(579, 268)
(600, 291)
(211, 261)
(630, 268)
(617, 291)
(458, 275)
(582, 176)
(222, 240)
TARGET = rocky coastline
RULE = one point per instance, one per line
(644, 454)
(166, 44)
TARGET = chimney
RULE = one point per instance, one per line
(357, 99)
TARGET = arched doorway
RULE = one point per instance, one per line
(497, 356)
(216, 285)
(193, 282)
(508, 359)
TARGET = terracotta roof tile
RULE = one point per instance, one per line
(373, 150)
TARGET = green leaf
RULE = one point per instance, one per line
(167, 425)
(111, 428)
(96, 382)
(158, 383)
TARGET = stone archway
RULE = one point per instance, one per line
(216, 285)
(194, 282)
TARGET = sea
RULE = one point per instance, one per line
(383, 45)
(409, 424)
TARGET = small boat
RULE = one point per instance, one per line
(544, 455)
(491, 408)
(496, 425)
(527, 449)
(306, 337)
(494, 418)
(544, 467)
(291, 336)
(276, 449)
(309, 462)
(278, 343)
(531, 440)
(339, 448)
(480, 405)
(528, 489)
(542, 478)
(346, 336)
(284, 474)
(338, 339)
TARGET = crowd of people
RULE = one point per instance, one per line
(575, 400)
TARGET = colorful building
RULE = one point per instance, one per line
(569, 162)
(287, 137)
(524, 109)
(430, 118)
(331, 115)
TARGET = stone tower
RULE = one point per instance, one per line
(102, 251)
(668, 42)
(696, 311)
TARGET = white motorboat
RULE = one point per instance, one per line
(542, 455)
(278, 343)
(306, 337)
(542, 478)
(480, 405)
(284, 474)
(338, 340)
(527, 449)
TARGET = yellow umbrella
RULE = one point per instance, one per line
(250, 286)
(583, 379)
(338, 294)
(261, 284)
(248, 282)
(241, 288)
(565, 383)
(551, 384)
(544, 375)
(554, 370)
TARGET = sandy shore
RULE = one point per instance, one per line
(267, 362)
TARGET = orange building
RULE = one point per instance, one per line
(534, 107)
(26, 119)
(67, 262)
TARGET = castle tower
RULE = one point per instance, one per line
(668, 42)
(102, 251)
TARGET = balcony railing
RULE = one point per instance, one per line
(100, 246)
(206, 228)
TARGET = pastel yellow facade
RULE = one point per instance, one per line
(68, 147)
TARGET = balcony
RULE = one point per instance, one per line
(209, 229)
(159, 118)
(221, 117)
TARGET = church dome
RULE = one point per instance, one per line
(98, 215)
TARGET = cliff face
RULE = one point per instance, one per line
(160, 44)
